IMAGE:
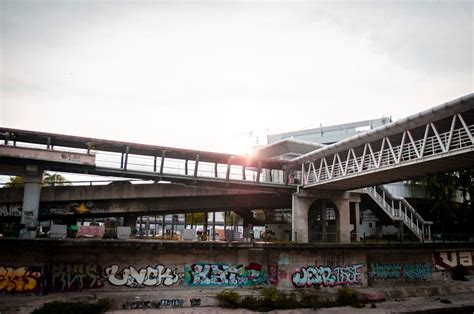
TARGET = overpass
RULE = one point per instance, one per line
(436, 140)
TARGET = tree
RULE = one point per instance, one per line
(14, 182)
(48, 180)
(54, 179)
(441, 190)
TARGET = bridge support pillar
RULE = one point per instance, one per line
(299, 215)
(357, 221)
(343, 205)
(131, 221)
(31, 200)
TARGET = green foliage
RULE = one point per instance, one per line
(14, 182)
(228, 298)
(48, 180)
(54, 179)
(347, 296)
(61, 307)
(272, 299)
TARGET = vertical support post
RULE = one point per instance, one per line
(323, 221)
(259, 170)
(140, 230)
(154, 163)
(225, 221)
(357, 221)
(163, 218)
(216, 175)
(127, 149)
(196, 166)
(213, 226)
(156, 226)
(186, 167)
(185, 221)
(31, 201)
(163, 153)
(206, 221)
(227, 175)
(243, 173)
(172, 226)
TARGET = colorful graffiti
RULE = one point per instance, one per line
(71, 208)
(275, 274)
(20, 279)
(144, 304)
(447, 260)
(149, 276)
(75, 277)
(326, 276)
(409, 271)
(221, 274)
(10, 210)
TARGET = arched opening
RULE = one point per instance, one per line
(323, 221)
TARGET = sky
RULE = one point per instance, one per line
(221, 75)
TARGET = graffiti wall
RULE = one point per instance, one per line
(325, 276)
(23, 279)
(142, 277)
(416, 271)
(75, 277)
(447, 260)
(71, 208)
(222, 274)
(10, 210)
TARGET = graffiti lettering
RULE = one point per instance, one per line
(203, 274)
(150, 276)
(385, 271)
(448, 260)
(408, 271)
(142, 304)
(20, 279)
(11, 210)
(75, 277)
(418, 271)
(195, 302)
(326, 276)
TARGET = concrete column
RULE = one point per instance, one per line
(246, 230)
(131, 221)
(235, 221)
(429, 232)
(206, 222)
(31, 200)
(357, 221)
(344, 219)
(299, 221)
(213, 226)
(324, 224)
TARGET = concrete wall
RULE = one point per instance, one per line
(129, 268)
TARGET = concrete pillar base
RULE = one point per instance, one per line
(31, 199)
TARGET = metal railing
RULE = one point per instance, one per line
(348, 163)
(399, 209)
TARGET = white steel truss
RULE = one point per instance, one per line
(348, 162)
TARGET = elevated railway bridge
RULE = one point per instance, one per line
(436, 140)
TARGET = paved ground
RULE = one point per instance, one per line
(446, 296)
(456, 303)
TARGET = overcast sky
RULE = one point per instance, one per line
(213, 75)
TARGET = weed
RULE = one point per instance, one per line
(62, 307)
